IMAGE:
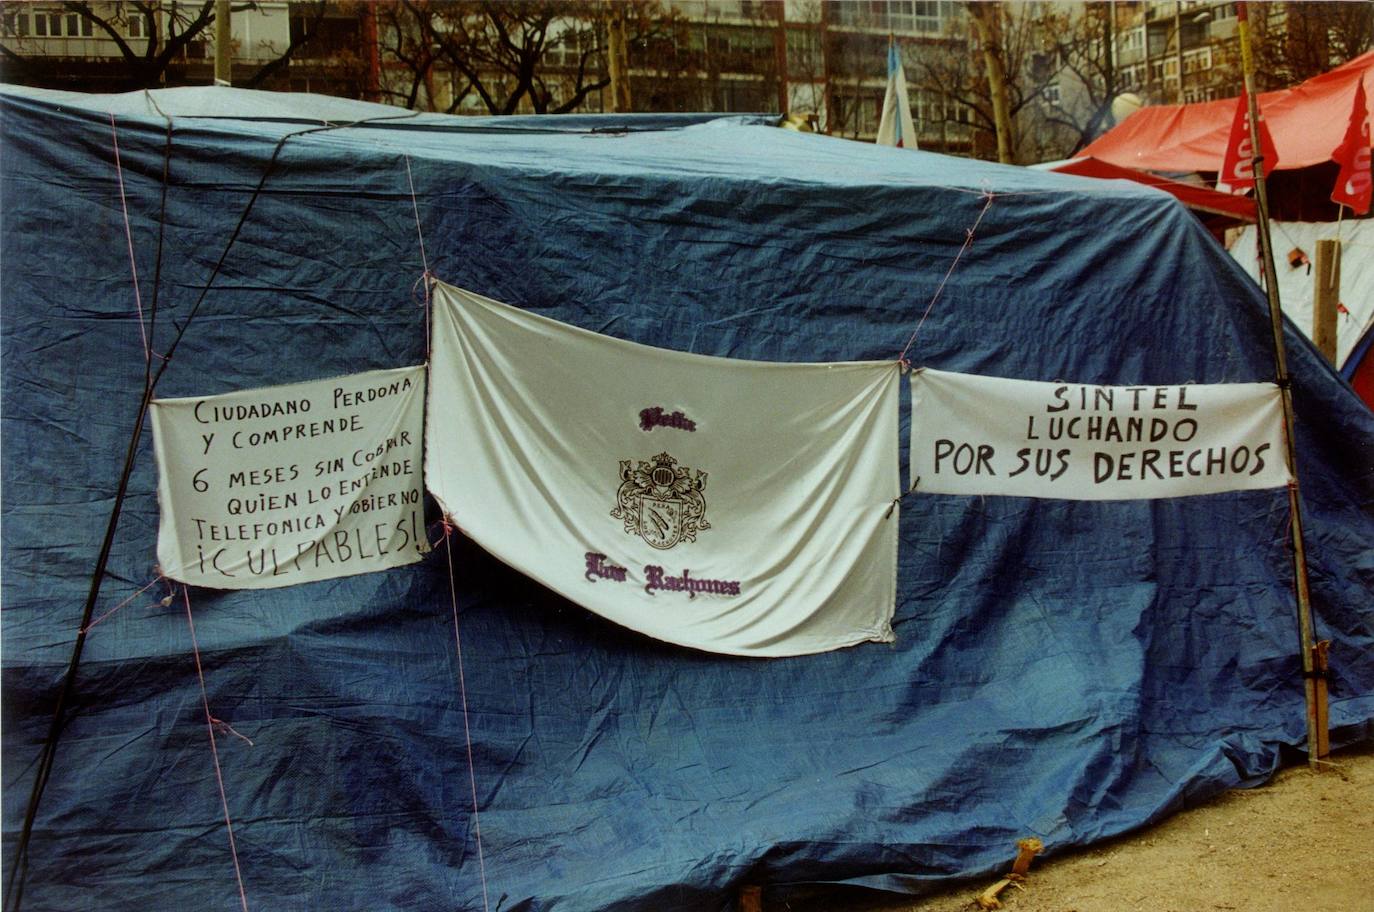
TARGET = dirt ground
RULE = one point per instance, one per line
(1303, 841)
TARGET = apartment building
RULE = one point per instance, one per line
(820, 59)
(1179, 51)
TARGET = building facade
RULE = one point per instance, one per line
(1179, 51)
(107, 49)
(1072, 68)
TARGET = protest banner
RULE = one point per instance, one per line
(988, 435)
(288, 484)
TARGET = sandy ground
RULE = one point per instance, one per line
(1303, 841)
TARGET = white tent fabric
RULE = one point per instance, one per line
(1296, 281)
(734, 506)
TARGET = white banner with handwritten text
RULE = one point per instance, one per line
(988, 435)
(289, 484)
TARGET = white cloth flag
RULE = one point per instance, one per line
(733, 506)
(895, 126)
(987, 435)
(289, 484)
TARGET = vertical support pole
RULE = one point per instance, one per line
(1320, 666)
(780, 59)
(224, 40)
(617, 58)
(372, 89)
(1178, 47)
(827, 111)
(1306, 635)
(1326, 297)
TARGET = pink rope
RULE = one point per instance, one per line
(424, 260)
(166, 601)
(463, 690)
(214, 750)
(968, 241)
(129, 235)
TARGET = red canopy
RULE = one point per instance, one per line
(1308, 122)
(1240, 208)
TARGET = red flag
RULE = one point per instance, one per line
(1353, 184)
(1237, 167)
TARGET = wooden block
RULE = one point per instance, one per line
(1326, 297)
(1320, 665)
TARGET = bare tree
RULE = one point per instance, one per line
(169, 31)
(1083, 44)
(545, 56)
(1296, 41)
(987, 21)
(312, 15)
(957, 71)
(406, 44)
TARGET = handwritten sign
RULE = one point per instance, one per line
(289, 484)
(987, 435)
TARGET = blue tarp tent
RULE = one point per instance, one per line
(1069, 670)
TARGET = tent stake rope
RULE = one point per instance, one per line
(14, 889)
(166, 601)
(968, 241)
(129, 237)
(214, 748)
(424, 260)
(463, 694)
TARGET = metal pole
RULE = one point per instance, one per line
(1271, 283)
(1178, 45)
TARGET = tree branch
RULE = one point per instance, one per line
(267, 70)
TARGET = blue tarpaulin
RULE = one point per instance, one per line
(1068, 670)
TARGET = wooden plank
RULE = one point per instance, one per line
(1320, 665)
(1326, 297)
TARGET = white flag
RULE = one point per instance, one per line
(895, 127)
(988, 435)
(289, 484)
(734, 506)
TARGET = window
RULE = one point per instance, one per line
(1198, 60)
(55, 25)
(135, 27)
(1042, 66)
(16, 22)
(49, 24)
(870, 113)
(569, 48)
(916, 15)
(897, 15)
(1052, 94)
(1133, 40)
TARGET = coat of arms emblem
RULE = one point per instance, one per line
(661, 501)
